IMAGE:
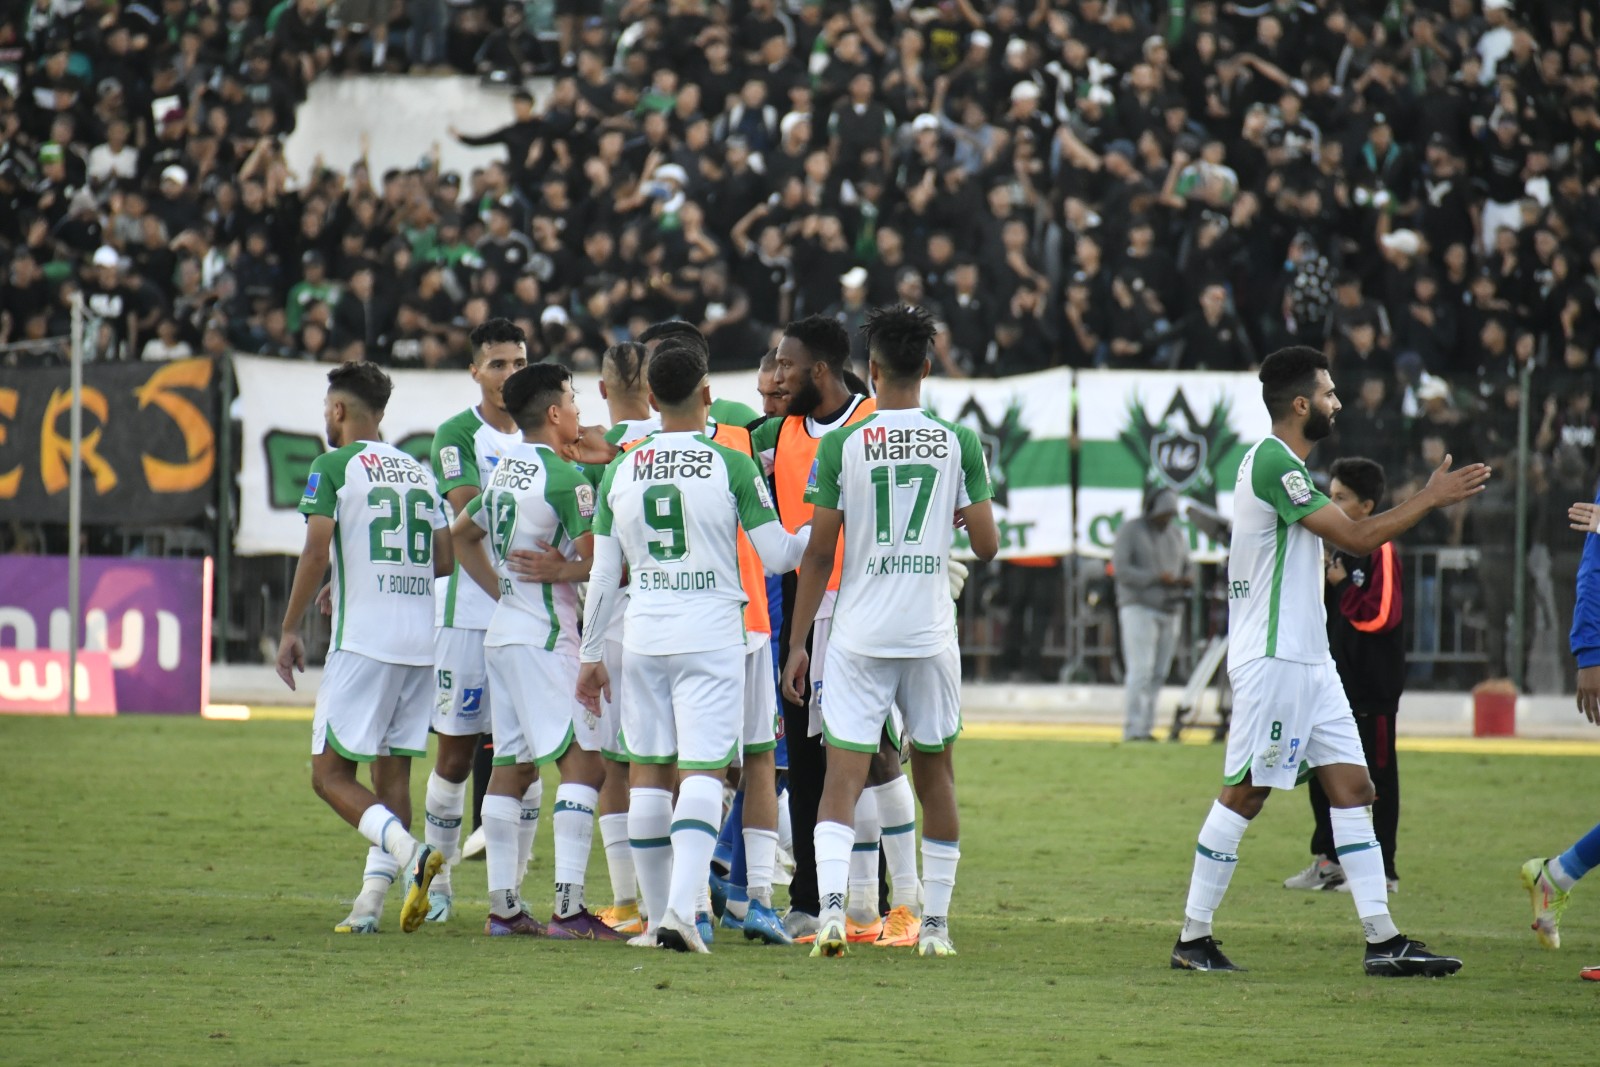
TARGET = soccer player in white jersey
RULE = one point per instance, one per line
(465, 451)
(375, 510)
(892, 481)
(671, 509)
(536, 498)
(1290, 714)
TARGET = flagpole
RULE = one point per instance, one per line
(75, 507)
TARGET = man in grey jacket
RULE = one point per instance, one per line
(1154, 575)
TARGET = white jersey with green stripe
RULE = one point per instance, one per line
(465, 451)
(384, 512)
(675, 504)
(534, 496)
(899, 475)
(1275, 576)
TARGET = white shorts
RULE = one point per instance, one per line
(461, 694)
(538, 715)
(367, 708)
(863, 691)
(611, 710)
(684, 708)
(760, 696)
(1287, 719)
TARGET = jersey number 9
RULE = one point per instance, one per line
(663, 513)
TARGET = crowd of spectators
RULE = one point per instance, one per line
(1414, 186)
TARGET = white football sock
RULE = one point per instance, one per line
(527, 829)
(1358, 853)
(376, 877)
(650, 835)
(1557, 874)
(382, 827)
(897, 815)
(834, 842)
(574, 833)
(785, 823)
(939, 859)
(502, 819)
(1216, 855)
(619, 859)
(442, 809)
(864, 861)
(760, 857)
(694, 838)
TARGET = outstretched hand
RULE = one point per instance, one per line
(1584, 518)
(1453, 486)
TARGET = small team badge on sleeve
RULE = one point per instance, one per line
(1298, 488)
(450, 461)
(761, 492)
(311, 488)
(585, 495)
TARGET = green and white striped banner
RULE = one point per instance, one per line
(1185, 431)
(1024, 423)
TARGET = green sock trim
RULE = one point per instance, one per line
(1345, 850)
(650, 842)
(694, 824)
(1220, 857)
(904, 828)
(865, 846)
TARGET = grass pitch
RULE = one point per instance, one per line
(170, 886)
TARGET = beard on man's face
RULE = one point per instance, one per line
(805, 399)
(1319, 424)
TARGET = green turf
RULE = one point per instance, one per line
(170, 886)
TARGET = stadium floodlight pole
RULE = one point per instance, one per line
(1519, 579)
(75, 507)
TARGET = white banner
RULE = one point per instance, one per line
(1023, 423)
(280, 415)
(1183, 431)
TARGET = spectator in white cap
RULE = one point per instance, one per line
(1025, 113)
(851, 311)
(176, 205)
(110, 300)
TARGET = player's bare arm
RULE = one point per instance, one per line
(307, 577)
(469, 537)
(815, 567)
(982, 533)
(605, 591)
(1360, 538)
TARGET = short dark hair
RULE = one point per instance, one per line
(1361, 476)
(624, 362)
(529, 393)
(675, 329)
(898, 337)
(366, 382)
(495, 332)
(676, 370)
(1289, 373)
(824, 338)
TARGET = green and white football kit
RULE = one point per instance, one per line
(373, 700)
(534, 496)
(1290, 713)
(465, 452)
(898, 476)
(671, 509)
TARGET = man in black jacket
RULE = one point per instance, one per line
(1368, 646)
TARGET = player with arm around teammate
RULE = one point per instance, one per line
(670, 509)
(891, 481)
(374, 509)
(1290, 714)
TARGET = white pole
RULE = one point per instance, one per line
(75, 507)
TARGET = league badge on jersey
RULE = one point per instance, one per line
(450, 461)
(311, 488)
(1298, 487)
(585, 495)
(811, 479)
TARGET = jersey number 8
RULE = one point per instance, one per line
(415, 514)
